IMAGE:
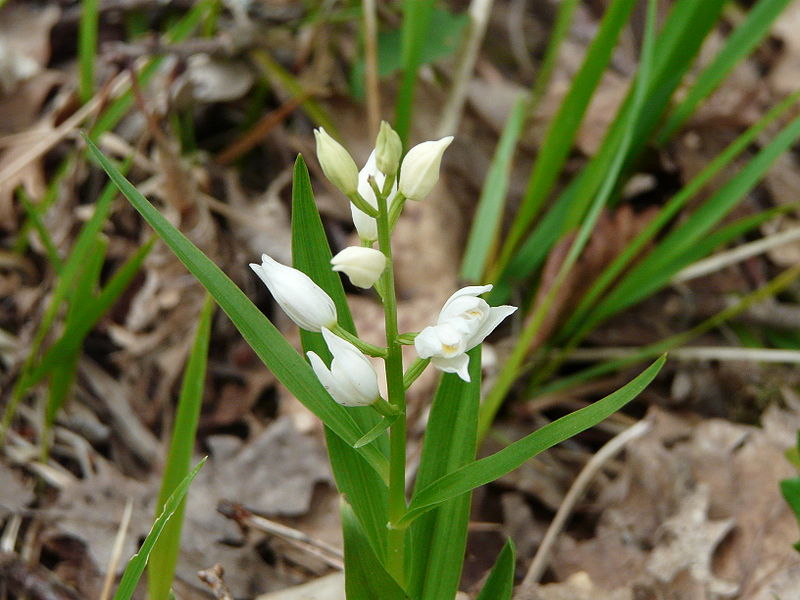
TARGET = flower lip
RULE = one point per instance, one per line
(301, 299)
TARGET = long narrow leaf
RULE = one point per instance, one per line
(137, 564)
(650, 274)
(738, 45)
(161, 570)
(670, 209)
(440, 537)
(512, 456)
(270, 346)
(500, 583)
(564, 126)
(365, 576)
(486, 223)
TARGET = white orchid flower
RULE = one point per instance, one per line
(363, 266)
(304, 301)
(420, 169)
(464, 322)
(351, 380)
(366, 226)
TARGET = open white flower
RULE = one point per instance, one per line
(304, 301)
(366, 226)
(363, 266)
(464, 322)
(420, 169)
(351, 380)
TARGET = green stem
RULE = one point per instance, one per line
(366, 348)
(396, 396)
(415, 370)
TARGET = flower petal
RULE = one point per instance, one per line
(304, 301)
(470, 290)
(457, 364)
(326, 378)
(496, 316)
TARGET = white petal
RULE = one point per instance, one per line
(458, 364)
(326, 378)
(352, 371)
(304, 301)
(470, 290)
(496, 316)
(427, 342)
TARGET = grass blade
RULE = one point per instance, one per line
(439, 538)
(87, 316)
(512, 456)
(670, 210)
(87, 47)
(137, 564)
(416, 21)
(486, 222)
(738, 45)
(161, 569)
(44, 235)
(564, 126)
(652, 273)
(267, 342)
(500, 583)
(513, 365)
(678, 42)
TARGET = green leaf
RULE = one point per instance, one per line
(86, 316)
(137, 564)
(486, 223)
(439, 538)
(563, 128)
(417, 15)
(790, 488)
(670, 210)
(512, 456)
(365, 576)
(87, 47)
(738, 45)
(500, 583)
(267, 342)
(652, 273)
(678, 42)
(366, 491)
(161, 570)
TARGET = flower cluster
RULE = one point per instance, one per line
(465, 319)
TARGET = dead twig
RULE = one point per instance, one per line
(213, 578)
(246, 519)
(527, 590)
(116, 551)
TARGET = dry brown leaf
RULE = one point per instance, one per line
(655, 532)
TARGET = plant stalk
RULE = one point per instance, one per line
(396, 396)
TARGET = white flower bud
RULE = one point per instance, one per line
(366, 226)
(363, 266)
(420, 170)
(304, 301)
(388, 149)
(336, 162)
(351, 380)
